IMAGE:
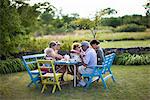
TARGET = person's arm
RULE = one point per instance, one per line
(86, 59)
(75, 51)
(102, 53)
(82, 61)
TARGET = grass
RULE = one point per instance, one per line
(133, 83)
(113, 44)
(123, 35)
(125, 44)
(86, 35)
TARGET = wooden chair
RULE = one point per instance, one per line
(29, 62)
(99, 71)
(50, 78)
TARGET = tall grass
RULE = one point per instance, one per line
(86, 35)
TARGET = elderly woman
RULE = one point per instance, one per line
(75, 52)
(51, 52)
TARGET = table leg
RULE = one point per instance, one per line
(75, 74)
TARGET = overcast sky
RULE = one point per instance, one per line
(87, 8)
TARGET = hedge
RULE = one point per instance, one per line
(130, 28)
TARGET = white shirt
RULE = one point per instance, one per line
(75, 57)
(90, 57)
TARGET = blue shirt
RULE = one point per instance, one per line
(90, 57)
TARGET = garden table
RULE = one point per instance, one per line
(69, 63)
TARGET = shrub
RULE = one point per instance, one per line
(135, 59)
(11, 65)
(66, 45)
(130, 28)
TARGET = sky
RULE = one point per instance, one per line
(88, 8)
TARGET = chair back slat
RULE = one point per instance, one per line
(44, 62)
(33, 56)
(31, 60)
(108, 61)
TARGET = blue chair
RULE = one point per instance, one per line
(31, 61)
(99, 71)
(107, 66)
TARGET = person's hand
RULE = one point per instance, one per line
(85, 65)
(82, 54)
(66, 57)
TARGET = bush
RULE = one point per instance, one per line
(11, 65)
(66, 45)
(135, 59)
(130, 28)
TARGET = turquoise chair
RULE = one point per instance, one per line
(99, 72)
(107, 66)
(30, 61)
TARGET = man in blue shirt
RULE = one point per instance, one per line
(88, 60)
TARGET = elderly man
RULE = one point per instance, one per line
(88, 60)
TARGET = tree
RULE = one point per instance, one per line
(28, 16)
(82, 23)
(98, 17)
(147, 7)
(48, 12)
(16, 18)
(10, 25)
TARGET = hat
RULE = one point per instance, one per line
(84, 43)
(94, 42)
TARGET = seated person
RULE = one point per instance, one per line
(100, 54)
(57, 47)
(75, 52)
(89, 60)
(51, 52)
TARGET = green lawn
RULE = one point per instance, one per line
(133, 83)
(125, 44)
